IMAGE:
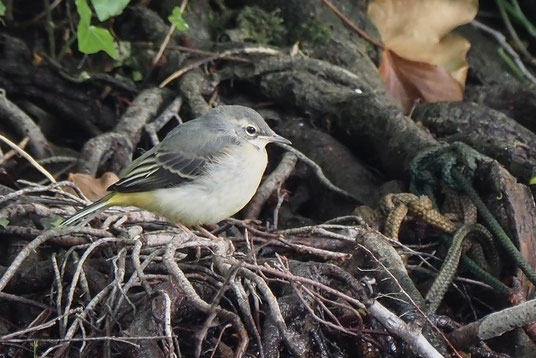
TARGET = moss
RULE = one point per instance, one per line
(261, 26)
(313, 31)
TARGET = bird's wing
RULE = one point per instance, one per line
(180, 158)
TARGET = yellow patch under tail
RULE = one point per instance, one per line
(145, 200)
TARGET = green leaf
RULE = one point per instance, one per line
(137, 76)
(2, 8)
(106, 8)
(84, 11)
(532, 181)
(51, 222)
(176, 19)
(4, 223)
(123, 50)
(92, 39)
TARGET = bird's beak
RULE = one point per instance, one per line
(278, 139)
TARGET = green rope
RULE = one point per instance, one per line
(491, 253)
(477, 253)
(494, 226)
(485, 276)
(446, 274)
(440, 163)
(437, 162)
(480, 273)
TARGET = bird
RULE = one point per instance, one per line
(203, 171)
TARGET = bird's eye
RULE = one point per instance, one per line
(251, 130)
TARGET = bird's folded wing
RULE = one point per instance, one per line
(181, 157)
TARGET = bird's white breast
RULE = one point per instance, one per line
(228, 186)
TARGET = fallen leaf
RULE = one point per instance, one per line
(409, 81)
(419, 31)
(93, 188)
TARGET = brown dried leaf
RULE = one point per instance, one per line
(409, 81)
(93, 188)
(419, 30)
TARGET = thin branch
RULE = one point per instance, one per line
(317, 170)
(224, 54)
(352, 25)
(501, 39)
(29, 158)
(270, 185)
(12, 152)
(495, 324)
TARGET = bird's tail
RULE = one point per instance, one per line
(88, 210)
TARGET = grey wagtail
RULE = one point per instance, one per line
(202, 172)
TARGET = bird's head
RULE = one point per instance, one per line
(248, 125)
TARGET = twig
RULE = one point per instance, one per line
(243, 302)
(12, 152)
(172, 110)
(183, 5)
(127, 340)
(304, 280)
(34, 244)
(163, 46)
(408, 296)
(83, 279)
(321, 229)
(318, 171)
(335, 326)
(150, 45)
(309, 250)
(275, 310)
(79, 268)
(51, 323)
(28, 157)
(167, 38)
(280, 200)
(353, 26)
(79, 198)
(24, 300)
(402, 330)
(49, 27)
(82, 316)
(495, 324)
(392, 322)
(433, 273)
(189, 291)
(202, 333)
(246, 50)
(24, 126)
(513, 33)
(139, 270)
(59, 291)
(270, 184)
(133, 277)
(502, 41)
(220, 336)
(167, 325)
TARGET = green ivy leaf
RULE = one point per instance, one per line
(92, 39)
(51, 222)
(2, 8)
(532, 181)
(176, 19)
(137, 76)
(106, 8)
(4, 223)
(84, 11)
